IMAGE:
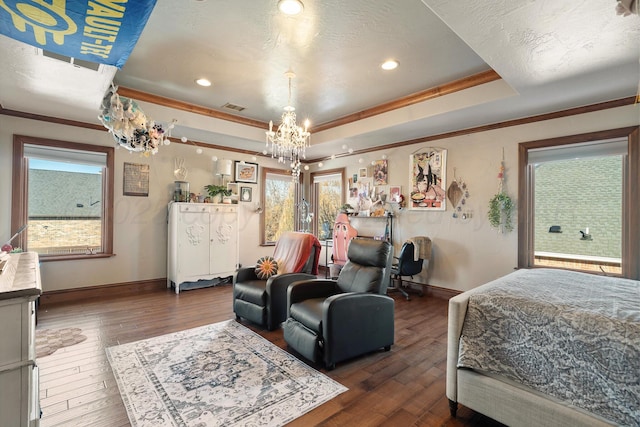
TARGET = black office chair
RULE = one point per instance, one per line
(406, 264)
(334, 320)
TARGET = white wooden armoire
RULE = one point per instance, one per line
(202, 242)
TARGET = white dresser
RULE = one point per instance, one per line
(19, 289)
(202, 242)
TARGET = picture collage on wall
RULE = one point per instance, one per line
(369, 190)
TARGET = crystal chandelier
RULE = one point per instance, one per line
(289, 141)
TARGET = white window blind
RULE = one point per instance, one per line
(613, 147)
(278, 177)
(65, 155)
(328, 177)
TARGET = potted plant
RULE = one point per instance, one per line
(346, 208)
(217, 192)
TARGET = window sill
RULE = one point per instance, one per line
(49, 258)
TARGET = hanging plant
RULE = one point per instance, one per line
(501, 211)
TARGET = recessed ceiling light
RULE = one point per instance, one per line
(290, 7)
(391, 64)
(203, 82)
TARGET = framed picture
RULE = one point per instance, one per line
(362, 173)
(135, 180)
(428, 180)
(246, 172)
(380, 172)
(245, 194)
(233, 186)
(394, 193)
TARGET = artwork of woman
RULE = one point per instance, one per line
(380, 172)
(428, 180)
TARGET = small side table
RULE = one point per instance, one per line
(328, 243)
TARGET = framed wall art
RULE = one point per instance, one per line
(428, 169)
(394, 193)
(246, 172)
(380, 172)
(245, 194)
(135, 180)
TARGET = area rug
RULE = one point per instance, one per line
(50, 340)
(216, 375)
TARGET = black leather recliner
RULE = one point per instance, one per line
(330, 321)
(264, 301)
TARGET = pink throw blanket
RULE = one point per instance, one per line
(293, 249)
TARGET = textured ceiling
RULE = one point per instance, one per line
(551, 55)
(335, 48)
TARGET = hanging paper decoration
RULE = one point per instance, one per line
(130, 126)
(97, 31)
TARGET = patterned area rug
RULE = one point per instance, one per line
(50, 340)
(216, 375)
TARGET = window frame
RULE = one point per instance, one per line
(315, 196)
(19, 193)
(631, 196)
(263, 179)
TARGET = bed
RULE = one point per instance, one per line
(547, 347)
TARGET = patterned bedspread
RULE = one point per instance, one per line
(574, 336)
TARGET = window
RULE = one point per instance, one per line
(328, 194)
(279, 195)
(578, 202)
(63, 192)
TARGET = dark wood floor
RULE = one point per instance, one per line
(403, 387)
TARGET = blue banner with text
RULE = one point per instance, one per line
(98, 31)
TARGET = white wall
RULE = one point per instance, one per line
(466, 253)
(140, 223)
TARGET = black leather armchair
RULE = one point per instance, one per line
(264, 301)
(330, 321)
